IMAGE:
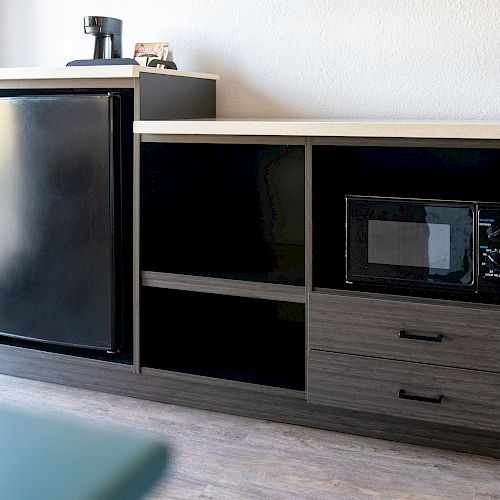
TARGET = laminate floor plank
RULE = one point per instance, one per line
(219, 456)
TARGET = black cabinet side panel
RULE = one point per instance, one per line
(165, 97)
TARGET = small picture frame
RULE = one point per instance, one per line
(144, 53)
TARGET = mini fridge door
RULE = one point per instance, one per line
(57, 280)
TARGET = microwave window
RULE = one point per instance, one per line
(413, 244)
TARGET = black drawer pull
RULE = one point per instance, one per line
(415, 336)
(402, 394)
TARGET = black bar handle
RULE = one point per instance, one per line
(403, 334)
(402, 394)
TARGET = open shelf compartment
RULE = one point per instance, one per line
(234, 338)
(231, 211)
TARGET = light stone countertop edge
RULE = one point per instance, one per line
(83, 72)
(323, 128)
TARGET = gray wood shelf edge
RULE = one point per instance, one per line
(222, 286)
(405, 299)
(223, 139)
(320, 141)
(218, 382)
(136, 233)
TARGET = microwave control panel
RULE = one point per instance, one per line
(489, 248)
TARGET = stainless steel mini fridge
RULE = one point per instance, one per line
(61, 219)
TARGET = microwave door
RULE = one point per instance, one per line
(411, 243)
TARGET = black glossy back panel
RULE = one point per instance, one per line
(233, 338)
(223, 210)
(56, 270)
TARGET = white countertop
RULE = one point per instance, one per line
(323, 128)
(115, 71)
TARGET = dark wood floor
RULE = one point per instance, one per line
(220, 456)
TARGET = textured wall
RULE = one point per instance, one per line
(295, 58)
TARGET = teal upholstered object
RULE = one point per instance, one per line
(44, 458)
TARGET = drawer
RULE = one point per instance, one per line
(460, 335)
(452, 396)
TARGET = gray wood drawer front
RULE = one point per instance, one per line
(450, 335)
(468, 398)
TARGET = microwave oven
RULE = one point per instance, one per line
(418, 244)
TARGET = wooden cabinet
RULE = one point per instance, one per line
(264, 217)
(433, 356)
(240, 300)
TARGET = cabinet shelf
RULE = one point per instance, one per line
(238, 288)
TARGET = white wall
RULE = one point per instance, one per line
(294, 58)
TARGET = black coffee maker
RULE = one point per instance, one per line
(108, 42)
